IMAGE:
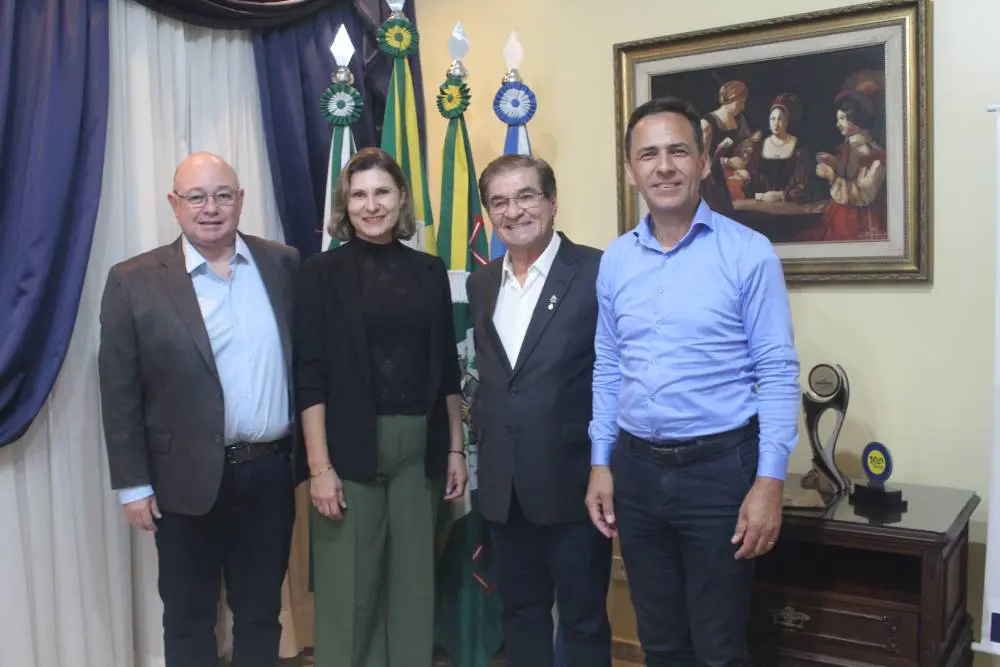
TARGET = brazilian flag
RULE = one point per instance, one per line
(467, 619)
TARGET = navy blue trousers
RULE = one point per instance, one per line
(534, 566)
(675, 526)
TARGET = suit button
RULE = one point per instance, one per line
(513, 392)
(218, 438)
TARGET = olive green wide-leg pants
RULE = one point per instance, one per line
(373, 571)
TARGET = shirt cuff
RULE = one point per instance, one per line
(132, 494)
(600, 454)
(772, 464)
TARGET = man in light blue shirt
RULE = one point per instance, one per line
(695, 400)
(194, 363)
(244, 338)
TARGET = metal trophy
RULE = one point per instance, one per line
(828, 390)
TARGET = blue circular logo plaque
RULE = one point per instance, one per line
(875, 499)
(876, 462)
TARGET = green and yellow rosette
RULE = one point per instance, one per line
(453, 98)
(397, 37)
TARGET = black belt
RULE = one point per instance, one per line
(682, 452)
(243, 452)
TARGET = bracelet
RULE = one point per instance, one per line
(320, 472)
(456, 451)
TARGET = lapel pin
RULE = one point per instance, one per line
(553, 300)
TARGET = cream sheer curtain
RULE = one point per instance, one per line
(176, 89)
(65, 595)
(77, 587)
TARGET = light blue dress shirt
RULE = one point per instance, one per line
(695, 340)
(247, 348)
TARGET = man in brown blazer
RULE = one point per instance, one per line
(194, 361)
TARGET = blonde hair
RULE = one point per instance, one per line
(339, 225)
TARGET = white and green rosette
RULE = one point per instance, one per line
(342, 104)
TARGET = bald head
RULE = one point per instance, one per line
(207, 202)
(195, 164)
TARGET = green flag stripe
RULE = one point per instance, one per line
(480, 244)
(389, 128)
(338, 152)
(336, 165)
(404, 154)
(447, 195)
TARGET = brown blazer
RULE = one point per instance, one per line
(161, 397)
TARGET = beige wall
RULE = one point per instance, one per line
(919, 357)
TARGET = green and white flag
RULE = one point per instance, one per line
(467, 623)
(341, 105)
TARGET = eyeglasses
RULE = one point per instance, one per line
(198, 199)
(525, 200)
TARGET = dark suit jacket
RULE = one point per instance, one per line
(333, 365)
(532, 419)
(162, 403)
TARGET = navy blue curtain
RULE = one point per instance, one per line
(294, 66)
(53, 123)
(237, 13)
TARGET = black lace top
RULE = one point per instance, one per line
(397, 322)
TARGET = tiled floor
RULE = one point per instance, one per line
(306, 660)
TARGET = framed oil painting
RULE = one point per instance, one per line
(816, 127)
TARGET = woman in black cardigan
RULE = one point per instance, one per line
(378, 388)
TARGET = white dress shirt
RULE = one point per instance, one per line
(516, 302)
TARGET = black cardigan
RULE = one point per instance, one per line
(332, 363)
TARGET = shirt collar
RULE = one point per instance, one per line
(194, 261)
(703, 217)
(860, 138)
(542, 265)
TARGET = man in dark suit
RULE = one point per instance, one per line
(194, 363)
(535, 313)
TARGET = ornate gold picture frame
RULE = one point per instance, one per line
(817, 126)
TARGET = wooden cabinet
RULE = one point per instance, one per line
(851, 590)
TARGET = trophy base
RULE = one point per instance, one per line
(809, 499)
(876, 498)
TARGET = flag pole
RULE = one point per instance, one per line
(514, 104)
(341, 105)
(467, 623)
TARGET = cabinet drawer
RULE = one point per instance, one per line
(835, 625)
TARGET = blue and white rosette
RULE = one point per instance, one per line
(515, 104)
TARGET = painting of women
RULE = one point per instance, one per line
(856, 174)
(779, 168)
(724, 129)
(816, 143)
